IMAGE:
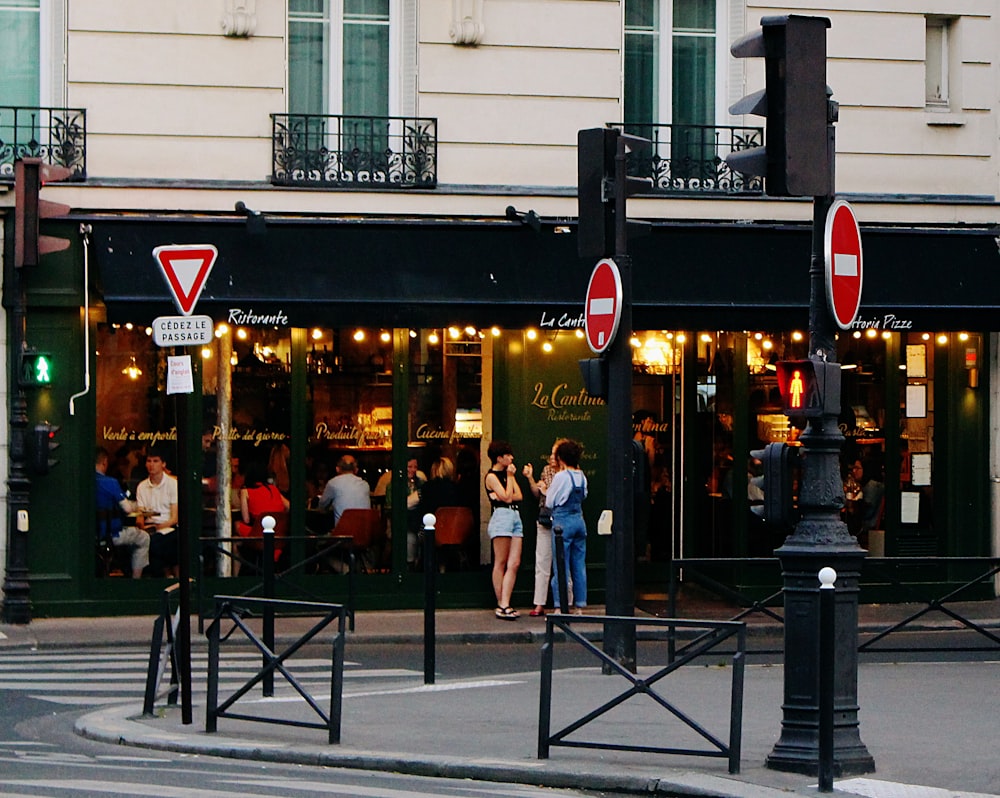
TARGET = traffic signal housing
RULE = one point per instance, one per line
(809, 388)
(30, 174)
(43, 443)
(36, 370)
(599, 184)
(779, 462)
(797, 157)
(594, 371)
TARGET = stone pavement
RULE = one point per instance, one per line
(932, 728)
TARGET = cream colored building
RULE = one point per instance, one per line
(190, 107)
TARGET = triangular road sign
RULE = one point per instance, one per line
(185, 267)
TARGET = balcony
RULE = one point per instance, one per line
(353, 151)
(56, 135)
(691, 158)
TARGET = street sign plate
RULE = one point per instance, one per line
(183, 330)
(185, 267)
(842, 250)
(603, 309)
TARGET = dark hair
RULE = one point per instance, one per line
(498, 449)
(101, 454)
(254, 474)
(569, 452)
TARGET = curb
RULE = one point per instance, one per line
(117, 725)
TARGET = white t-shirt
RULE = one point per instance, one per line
(157, 499)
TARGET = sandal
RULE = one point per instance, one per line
(536, 613)
(506, 614)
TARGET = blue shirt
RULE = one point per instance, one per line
(109, 494)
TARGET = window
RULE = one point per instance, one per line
(340, 56)
(937, 62)
(19, 52)
(671, 63)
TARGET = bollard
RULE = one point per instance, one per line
(827, 666)
(561, 581)
(430, 596)
(267, 630)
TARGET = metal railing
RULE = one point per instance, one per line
(56, 135)
(353, 151)
(956, 576)
(713, 633)
(691, 158)
(235, 609)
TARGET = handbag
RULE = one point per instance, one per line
(545, 517)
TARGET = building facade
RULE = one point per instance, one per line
(390, 186)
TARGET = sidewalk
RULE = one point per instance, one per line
(934, 725)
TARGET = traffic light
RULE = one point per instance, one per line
(30, 174)
(36, 369)
(43, 443)
(595, 376)
(797, 157)
(809, 388)
(777, 482)
(598, 185)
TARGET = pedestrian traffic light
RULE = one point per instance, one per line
(43, 443)
(598, 185)
(30, 174)
(809, 388)
(797, 157)
(36, 369)
(777, 483)
(595, 377)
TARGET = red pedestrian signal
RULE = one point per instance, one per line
(809, 387)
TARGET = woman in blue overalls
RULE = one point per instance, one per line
(565, 498)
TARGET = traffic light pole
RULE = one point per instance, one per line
(16, 584)
(619, 641)
(820, 539)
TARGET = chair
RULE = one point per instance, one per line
(111, 560)
(366, 528)
(254, 542)
(452, 532)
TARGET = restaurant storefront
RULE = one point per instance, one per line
(413, 340)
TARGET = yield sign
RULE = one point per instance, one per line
(185, 267)
(603, 309)
(842, 249)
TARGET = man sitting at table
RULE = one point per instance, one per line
(346, 491)
(156, 496)
(111, 502)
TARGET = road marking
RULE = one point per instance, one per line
(875, 788)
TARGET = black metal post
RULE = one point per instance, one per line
(16, 583)
(430, 597)
(827, 662)
(820, 538)
(619, 639)
(267, 627)
(184, 533)
(559, 553)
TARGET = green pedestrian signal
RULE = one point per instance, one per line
(36, 369)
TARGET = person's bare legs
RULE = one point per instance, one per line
(501, 551)
(510, 571)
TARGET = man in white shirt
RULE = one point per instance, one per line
(346, 490)
(156, 497)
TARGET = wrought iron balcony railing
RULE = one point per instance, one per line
(691, 158)
(319, 150)
(56, 135)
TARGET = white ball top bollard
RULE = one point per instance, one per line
(827, 576)
(430, 521)
(268, 523)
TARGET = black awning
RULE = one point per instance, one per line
(433, 273)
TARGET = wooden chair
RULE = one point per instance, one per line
(452, 533)
(366, 528)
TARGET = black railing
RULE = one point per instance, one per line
(353, 151)
(692, 158)
(56, 135)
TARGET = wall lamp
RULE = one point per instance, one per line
(256, 225)
(532, 219)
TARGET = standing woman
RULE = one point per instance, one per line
(543, 541)
(505, 528)
(565, 498)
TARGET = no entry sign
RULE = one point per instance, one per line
(842, 248)
(603, 308)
